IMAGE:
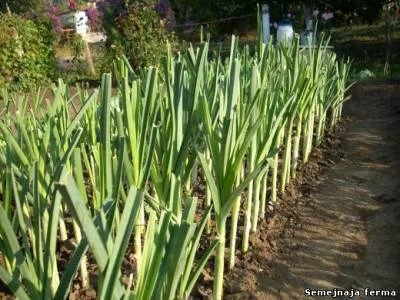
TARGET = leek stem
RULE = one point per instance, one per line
(219, 260)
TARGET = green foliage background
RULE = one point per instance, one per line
(26, 55)
(141, 36)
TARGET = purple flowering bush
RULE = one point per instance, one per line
(94, 17)
(162, 8)
(53, 13)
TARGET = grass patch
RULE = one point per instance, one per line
(366, 45)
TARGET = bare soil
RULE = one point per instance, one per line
(338, 225)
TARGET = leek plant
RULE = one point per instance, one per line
(342, 69)
(138, 127)
(265, 146)
(227, 141)
(119, 165)
(34, 161)
(174, 158)
(168, 270)
(108, 248)
(35, 222)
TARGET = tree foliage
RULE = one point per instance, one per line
(365, 10)
(141, 35)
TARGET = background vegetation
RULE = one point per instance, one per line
(141, 36)
(26, 56)
(139, 29)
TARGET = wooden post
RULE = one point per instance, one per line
(89, 59)
(8, 9)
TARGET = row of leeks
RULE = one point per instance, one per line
(120, 166)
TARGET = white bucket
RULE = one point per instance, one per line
(285, 32)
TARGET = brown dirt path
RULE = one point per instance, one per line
(345, 232)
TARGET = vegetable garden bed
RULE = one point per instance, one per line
(114, 182)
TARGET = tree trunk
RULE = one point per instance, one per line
(181, 11)
(390, 22)
(89, 59)
(388, 38)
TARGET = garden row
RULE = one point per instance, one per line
(121, 164)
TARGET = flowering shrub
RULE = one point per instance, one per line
(327, 16)
(162, 8)
(56, 10)
(53, 13)
(73, 5)
(94, 17)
